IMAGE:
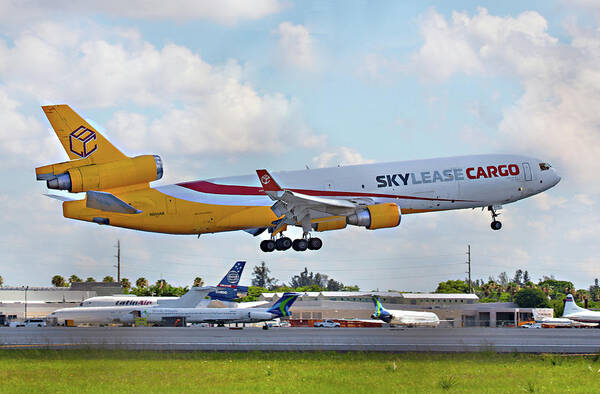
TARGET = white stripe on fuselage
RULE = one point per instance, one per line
(420, 184)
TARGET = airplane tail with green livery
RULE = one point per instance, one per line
(282, 307)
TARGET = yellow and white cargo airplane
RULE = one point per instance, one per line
(373, 196)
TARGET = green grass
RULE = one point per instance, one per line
(90, 370)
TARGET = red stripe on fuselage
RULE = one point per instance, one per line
(213, 188)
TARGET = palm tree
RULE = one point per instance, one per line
(141, 283)
(90, 279)
(198, 282)
(108, 278)
(126, 283)
(1, 281)
(512, 288)
(58, 281)
(74, 278)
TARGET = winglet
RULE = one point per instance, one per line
(268, 183)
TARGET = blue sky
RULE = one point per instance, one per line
(224, 88)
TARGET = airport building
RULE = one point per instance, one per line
(31, 302)
(454, 310)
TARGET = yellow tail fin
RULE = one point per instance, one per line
(79, 138)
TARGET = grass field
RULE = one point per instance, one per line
(91, 370)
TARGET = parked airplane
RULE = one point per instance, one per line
(404, 318)
(552, 322)
(223, 315)
(226, 292)
(573, 311)
(121, 313)
(373, 196)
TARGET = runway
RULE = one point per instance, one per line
(308, 339)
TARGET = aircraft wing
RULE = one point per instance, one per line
(297, 206)
(108, 202)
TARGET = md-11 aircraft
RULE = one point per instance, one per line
(373, 196)
(224, 293)
(404, 318)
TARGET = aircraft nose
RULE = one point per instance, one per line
(554, 178)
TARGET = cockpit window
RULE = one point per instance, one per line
(545, 166)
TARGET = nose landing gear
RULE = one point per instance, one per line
(496, 224)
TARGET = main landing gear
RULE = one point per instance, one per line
(284, 243)
(496, 224)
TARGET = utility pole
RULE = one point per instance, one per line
(469, 265)
(118, 256)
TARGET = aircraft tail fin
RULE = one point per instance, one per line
(571, 306)
(232, 278)
(228, 289)
(191, 299)
(79, 139)
(380, 312)
(282, 307)
(268, 183)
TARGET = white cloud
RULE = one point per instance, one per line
(296, 46)
(22, 138)
(340, 156)
(557, 116)
(199, 107)
(226, 12)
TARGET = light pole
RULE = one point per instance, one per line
(26, 288)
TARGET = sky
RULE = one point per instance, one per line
(223, 88)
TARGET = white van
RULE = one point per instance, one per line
(34, 323)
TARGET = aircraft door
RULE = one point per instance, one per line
(527, 171)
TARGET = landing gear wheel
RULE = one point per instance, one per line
(300, 245)
(496, 225)
(267, 245)
(315, 243)
(283, 243)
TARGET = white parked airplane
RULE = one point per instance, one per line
(222, 295)
(404, 318)
(121, 313)
(223, 315)
(575, 312)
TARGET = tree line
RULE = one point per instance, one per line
(548, 292)
(262, 282)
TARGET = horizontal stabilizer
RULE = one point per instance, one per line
(109, 203)
(60, 198)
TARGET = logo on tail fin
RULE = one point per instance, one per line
(265, 179)
(82, 142)
(233, 277)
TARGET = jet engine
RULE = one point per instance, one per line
(330, 223)
(386, 318)
(376, 216)
(130, 171)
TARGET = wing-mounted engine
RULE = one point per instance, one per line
(81, 176)
(376, 216)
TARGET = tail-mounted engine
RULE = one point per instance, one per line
(81, 176)
(376, 216)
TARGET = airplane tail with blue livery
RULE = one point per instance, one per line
(228, 289)
(282, 307)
